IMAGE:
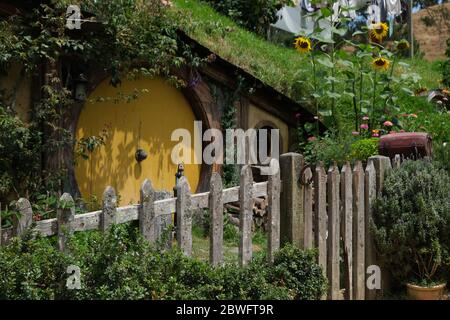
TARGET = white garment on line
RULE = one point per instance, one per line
(393, 7)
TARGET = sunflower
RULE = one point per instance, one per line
(378, 31)
(403, 45)
(302, 44)
(380, 63)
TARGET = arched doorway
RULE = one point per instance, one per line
(144, 123)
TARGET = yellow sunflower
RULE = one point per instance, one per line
(379, 31)
(380, 63)
(302, 44)
(403, 45)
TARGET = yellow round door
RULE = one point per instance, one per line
(144, 123)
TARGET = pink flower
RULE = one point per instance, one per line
(365, 118)
(166, 3)
(311, 139)
(355, 133)
(364, 126)
(388, 124)
(402, 130)
(375, 135)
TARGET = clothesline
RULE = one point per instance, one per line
(294, 19)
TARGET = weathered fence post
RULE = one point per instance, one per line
(20, 224)
(273, 195)
(147, 221)
(292, 219)
(320, 209)
(334, 227)
(382, 167)
(216, 216)
(369, 197)
(397, 161)
(308, 208)
(108, 214)
(246, 215)
(347, 227)
(65, 217)
(359, 269)
(184, 216)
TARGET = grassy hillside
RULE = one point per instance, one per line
(279, 66)
(271, 63)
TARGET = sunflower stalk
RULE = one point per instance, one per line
(313, 61)
(372, 116)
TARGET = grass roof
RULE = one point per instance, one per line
(272, 64)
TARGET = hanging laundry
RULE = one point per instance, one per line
(391, 22)
(306, 5)
(393, 7)
(383, 9)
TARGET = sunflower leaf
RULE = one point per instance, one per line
(325, 62)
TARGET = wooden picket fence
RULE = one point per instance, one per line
(331, 210)
(310, 207)
(156, 216)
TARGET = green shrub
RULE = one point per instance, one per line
(339, 148)
(364, 149)
(32, 269)
(297, 270)
(411, 223)
(121, 265)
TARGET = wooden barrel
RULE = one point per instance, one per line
(409, 145)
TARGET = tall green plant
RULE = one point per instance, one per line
(359, 73)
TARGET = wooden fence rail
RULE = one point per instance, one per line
(311, 207)
(152, 215)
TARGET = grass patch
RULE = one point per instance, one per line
(200, 245)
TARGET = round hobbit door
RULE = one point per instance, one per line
(133, 139)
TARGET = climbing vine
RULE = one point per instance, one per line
(124, 38)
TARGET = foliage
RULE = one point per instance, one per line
(418, 115)
(254, 15)
(411, 222)
(360, 78)
(333, 147)
(121, 265)
(446, 67)
(123, 38)
(19, 156)
(364, 149)
(328, 149)
(301, 274)
(441, 154)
